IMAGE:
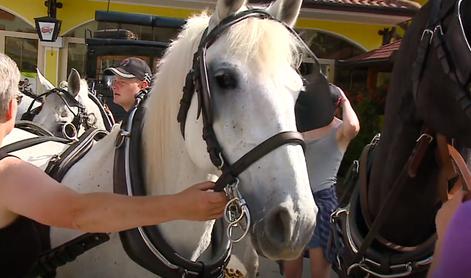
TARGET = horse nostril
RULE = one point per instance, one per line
(280, 226)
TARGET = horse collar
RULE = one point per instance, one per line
(146, 245)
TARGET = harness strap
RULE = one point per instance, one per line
(393, 194)
(446, 167)
(460, 164)
(146, 245)
(60, 164)
(364, 183)
(280, 139)
(419, 151)
(424, 45)
(33, 127)
(29, 142)
(108, 119)
(67, 252)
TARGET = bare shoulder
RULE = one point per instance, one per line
(11, 167)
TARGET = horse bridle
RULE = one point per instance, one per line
(197, 81)
(452, 47)
(81, 117)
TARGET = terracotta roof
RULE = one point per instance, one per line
(383, 54)
(393, 7)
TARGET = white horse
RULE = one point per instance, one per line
(60, 108)
(254, 85)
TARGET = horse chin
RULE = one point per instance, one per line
(265, 246)
(268, 242)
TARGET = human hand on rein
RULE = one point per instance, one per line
(200, 203)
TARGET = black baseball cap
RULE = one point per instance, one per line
(131, 67)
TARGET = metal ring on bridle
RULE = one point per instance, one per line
(232, 225)
(236, 211)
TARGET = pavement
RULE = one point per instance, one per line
(269, 269)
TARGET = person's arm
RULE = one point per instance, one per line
(26, 190)
(350, 125)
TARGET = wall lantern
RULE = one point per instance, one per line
(48, 27)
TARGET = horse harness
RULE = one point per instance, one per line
(360, 251)
(81, 117)
(452, 48)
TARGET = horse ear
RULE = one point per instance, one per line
(225, 8)
(43, 81)
(73, 82)
(286, 11)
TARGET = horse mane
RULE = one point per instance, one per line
(253, 41)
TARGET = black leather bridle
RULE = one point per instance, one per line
(197, 81)
(452, 48)
(81, 117)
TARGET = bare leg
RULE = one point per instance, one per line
(320, 267)
(293, 269)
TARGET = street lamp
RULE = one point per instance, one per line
(48, 27)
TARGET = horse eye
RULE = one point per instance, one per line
(225, 80)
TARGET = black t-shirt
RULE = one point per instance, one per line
(21, 243)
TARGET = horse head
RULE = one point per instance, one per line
(67, 109)
(252, 86)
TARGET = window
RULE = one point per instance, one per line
(76, 57)
(23, 51)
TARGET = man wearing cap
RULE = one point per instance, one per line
(131, 77)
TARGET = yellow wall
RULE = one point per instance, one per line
(51, 64)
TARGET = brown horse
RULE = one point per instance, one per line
(388, 228)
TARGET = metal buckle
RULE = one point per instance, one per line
(235, 212)
(429, 33)
(222, 162)
(120, 138)
(363, 266)
(429, 137)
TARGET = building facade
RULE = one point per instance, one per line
(336, 29)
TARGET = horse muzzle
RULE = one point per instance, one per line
(282, 233)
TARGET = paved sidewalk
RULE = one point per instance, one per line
(269, 269)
